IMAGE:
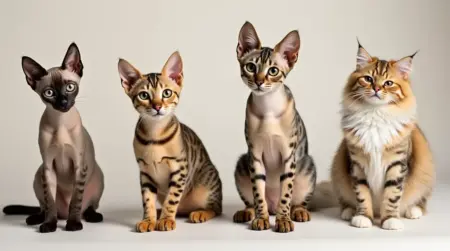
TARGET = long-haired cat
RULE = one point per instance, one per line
(383, 167)
(277, 175)
(175, 168)
(69, 182)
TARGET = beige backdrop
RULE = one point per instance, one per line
(213, 100)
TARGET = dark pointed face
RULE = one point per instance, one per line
(59, 92)
(58, 86)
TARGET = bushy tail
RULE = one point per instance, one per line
(21, 210)
(324, 196)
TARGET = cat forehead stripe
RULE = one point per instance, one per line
(153, 79)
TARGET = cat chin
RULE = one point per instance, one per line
(374, 101)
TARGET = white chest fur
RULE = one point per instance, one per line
(375, 128)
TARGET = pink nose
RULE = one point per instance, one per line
(157, 107)
(376, 88)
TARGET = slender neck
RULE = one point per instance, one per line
(57, 118)
(271, 103)
(155, 126)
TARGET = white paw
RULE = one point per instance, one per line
(392, 224)
(414, 212)
(361, 221)
(347, 213)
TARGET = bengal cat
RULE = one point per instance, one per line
(383, 167)
(175, 168)
(277, 175)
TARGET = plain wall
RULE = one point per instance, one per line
(214, 97)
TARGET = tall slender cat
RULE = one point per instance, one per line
(277, 175)
(175, 168)
(69, 182)
(383, 166)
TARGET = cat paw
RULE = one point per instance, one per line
(414, 212)
(146, 225)
(361, 221)
(90, 215)
(392, 224)
(166, 224)
(260, 224)
(201, 216)
(48, 227)
(74, 225)
(243, 216)
(347, 214)
(284, 225)
(35, 219)
(301, 215)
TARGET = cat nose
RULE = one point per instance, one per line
(376, 88)
(64, 102)
(157, 107)
(259, 83)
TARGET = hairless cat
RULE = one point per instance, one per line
(69, 182)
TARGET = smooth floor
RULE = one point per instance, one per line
(325, 231)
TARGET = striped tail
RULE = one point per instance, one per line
(21, 210)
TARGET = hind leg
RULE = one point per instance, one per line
(204, 201)
(92, 194)
(244, 187)
(304, 185)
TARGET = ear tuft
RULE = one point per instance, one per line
(289, 47)
(363, 58)
(248, 40)
(173, 68)
(33, 71)
(72, 60)
(129, 75)
(404, 66)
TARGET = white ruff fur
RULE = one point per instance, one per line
(375, 126)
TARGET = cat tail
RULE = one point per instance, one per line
(324, 196)
(21, 210)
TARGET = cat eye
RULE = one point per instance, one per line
(70, 87)
(143, 95)
(49, 93)
(250, 67)
(368, 79)
(167, 93)
(388, 83)
(273, 71)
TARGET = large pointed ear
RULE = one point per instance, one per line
(248, 40)
(173, 68)
(289, 47)
(363, 58)
(33, 71)
(404, 66)
(129, 75)
(72, 60)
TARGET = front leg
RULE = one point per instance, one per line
(48, 182)
(76, 202)
(363, 217)
(258, 179)
(149, 190)
(392, 196)
(178, 174)
(283, 222)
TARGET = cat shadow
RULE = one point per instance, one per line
(128, 217)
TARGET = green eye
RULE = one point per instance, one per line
(167, 93)
(143, 95)
(273, 71)
(388, 83)
(250, 67)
